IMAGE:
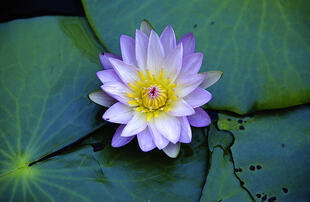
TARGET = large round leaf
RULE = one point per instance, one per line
(132, 175)
(263, 47)
(271, 153)
(47, 68)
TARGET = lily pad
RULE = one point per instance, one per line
(47, 69)
(263, 47)
(132, 175)
(271, 152)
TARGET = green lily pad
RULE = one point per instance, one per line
(132, 175)
(221, 183)
(271, 151)
(47, 69)
(263, 47)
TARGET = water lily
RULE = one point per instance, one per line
(154, 90)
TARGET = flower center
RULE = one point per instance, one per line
(152, 94)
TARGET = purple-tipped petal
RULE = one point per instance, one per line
(128, 73)
(173, 62)
(117, 90)
(128, 50)
(142, 41)
(104, 59)
(118, 140)
(155, 54)
(159, 140)
(167, 38)
(200, 118)
(192, 63)
(188, 41)
(181, 108)
(198, 97)
(101, 98)
(187, 84)
(172, 150)
(145, 140)
(135, 125)
(168, 126)
(108, 75)
(186, 132)
(211, 77)
(118, 113)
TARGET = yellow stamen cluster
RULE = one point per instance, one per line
(152, 94)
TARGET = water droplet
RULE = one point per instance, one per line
(272, 199)
(240, 121)
(264, 198)
(228, 119)
(241, 127)
(285, 190)
(212, 23)
(252, 168)
(258, 167)
(258, 195)
(195, 25)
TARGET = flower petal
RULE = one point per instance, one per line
(146, 27)
(104, 59)
(145, 140)
(101, 98)
(118, 140)
(186, 132)
(155, 54)
(168, 126)
(181, 108)
(167, 39)
(200, 118)
(211, 77)
(108, 75)
(172, 150)
(142, 41)
(192, 63)
(188, 41)
(173, 62)
(188, 83)
(117, 90)
(128, 73)
(198, 97)
(135, 125)
(159, 140)
(128, 50)
(118, 113)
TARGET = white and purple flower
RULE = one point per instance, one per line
(154, 90)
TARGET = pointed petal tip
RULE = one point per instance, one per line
(146, 27)
(101, 98)
(210, 78)
(172, 150)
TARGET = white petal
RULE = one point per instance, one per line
(211, 77)
(159, 140)
(118, 113)
(128, 73)
(145, 140)
(146, 27)
(172, 150)
(198, 97)
(173, 62)
(167, 39)
(155, 54)
(117, 90)
(186, 132)
(192, 63)
(118, 140)
(101, 98)
(168, 126)
(188, 83)
(128, 50)
(142, 41)
(200, 118)
(181, 108)
(108, 75)
(137, 124)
